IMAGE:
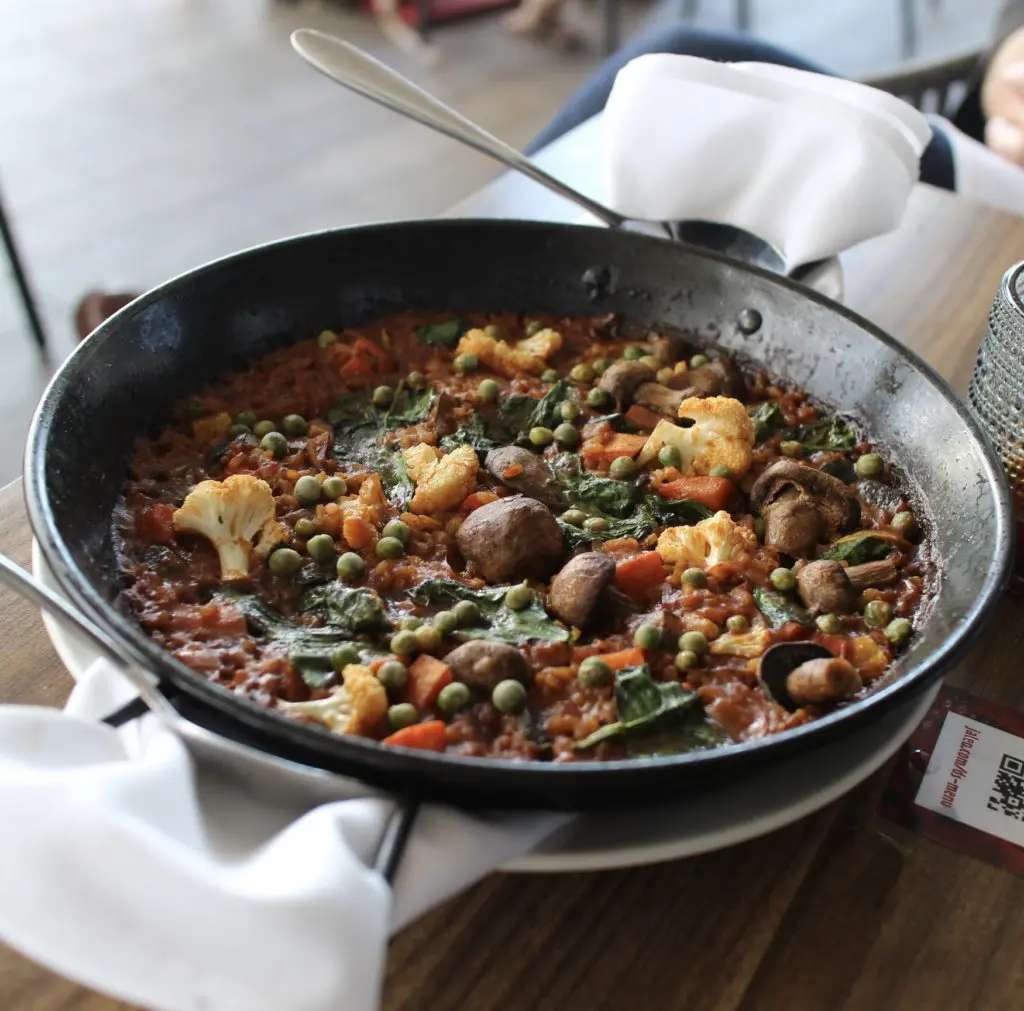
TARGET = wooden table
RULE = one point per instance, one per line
(838, 912)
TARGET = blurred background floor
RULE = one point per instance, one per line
(139, 138)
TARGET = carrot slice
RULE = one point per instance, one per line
(642, 417)
(429, 736)
(632, 657)
(427, 676)
(714, 492)
(635, 576)
(598, 455)
(511, 471)
(477, 499)
(357, 532)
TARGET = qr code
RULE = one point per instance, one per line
(1008, 788)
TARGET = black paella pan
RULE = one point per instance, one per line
(122, 381)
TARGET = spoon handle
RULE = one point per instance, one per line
(25, 585)
(367, 76)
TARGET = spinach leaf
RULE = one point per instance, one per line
(410, 407)
(500, 624)
(692, 734)
(446, 334)
(859, 548)
(348, 609)
(515, 412)
(779, 609)
(602, 495)
(643, 705)
(651, 512)
(474, 432)
(766, 418)
(546, 413)
(828, 434)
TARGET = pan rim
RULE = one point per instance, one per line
(360, 751)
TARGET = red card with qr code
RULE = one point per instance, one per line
(960, 779)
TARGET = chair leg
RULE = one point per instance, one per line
(908, 18)
(21, 282)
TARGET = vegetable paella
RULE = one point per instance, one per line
(524, 538)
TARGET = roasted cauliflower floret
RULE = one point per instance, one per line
(234, 515)
(746, 644)
(442, 482)
(722, 435)
(707, 544)
(357, 706)
(528, 355)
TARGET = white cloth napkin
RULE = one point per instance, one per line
(811, 164)
(129, 867)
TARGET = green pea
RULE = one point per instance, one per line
(595, 524)
(877, 613)
(495, 332)
(594, 672)
(647, 637)
(532, 327)
(518, 598)
(650, 361)
(452, 698)
(488, 390)
(429, 638)
(509, 697)
(581, 373)
(904, 524)
(698, 360)
(410, 623)
(284, 561)
(574, 517)
(351, 567)
(344, 655)
(404, 643)
(597, 397)
(446, 622)
(262, 428)
(465, 363)
(791, 448)
(686, 659)
(566, 435)
(402, 715)
(326, 338)
(416, 380)
(334, 487)
(829, 623)
(693, 642)
(236, 430)
(383, 396)
(399, 530)
(602, 365)
(321, 548)
(694, 577)
(307, 489)
(541, 436)
(569, 411)
(782, 579)
(898, 631)
(466, 612)
(393, 675)
(669, 456)
(737, 623)
(247, 418)
(720, 471)
(869, 465)
(294, 424)
(550, 376)
(390, 547)
(622, 467)
(304, 527)
(633, 353)
(275, 444)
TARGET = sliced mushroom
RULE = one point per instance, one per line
(718, 378)
(513, 538)
(623, 378)
(818, 682)
(779, 661)
(879, 573)
(790, 495)
(824, 587)
(527, 473)
(659, 398)
(577, 588)
(482, 664)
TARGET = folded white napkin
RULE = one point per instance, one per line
(130, 868)
(811, 164)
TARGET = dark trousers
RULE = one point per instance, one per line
(689, 40)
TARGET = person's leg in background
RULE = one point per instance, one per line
(724, 47)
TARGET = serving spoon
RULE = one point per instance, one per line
(367, 76)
